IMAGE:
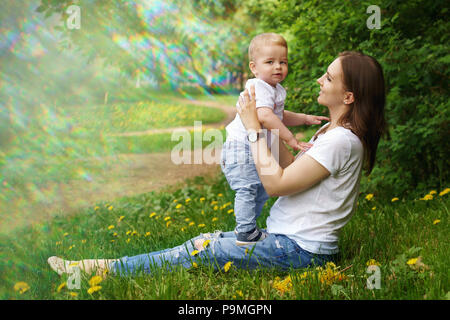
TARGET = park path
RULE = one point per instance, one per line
(126, 175)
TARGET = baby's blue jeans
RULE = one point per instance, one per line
(240, 171)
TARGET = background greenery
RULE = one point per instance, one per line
(413, 48)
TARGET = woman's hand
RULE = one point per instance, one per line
(247, 110)
(310, 119)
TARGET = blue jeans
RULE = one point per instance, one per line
(240, 171)
(275, 251)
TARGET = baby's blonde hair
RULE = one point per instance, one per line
(265, 39)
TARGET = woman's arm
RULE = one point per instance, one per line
(296, 177)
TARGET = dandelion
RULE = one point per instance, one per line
(96, 208)
(191, 224)
(194, 264)
(412, 261)
(168, 223)
(432, 192)
(110, 208)
(394, 199)
(427, 197)
(58, 243)
(187, 219)
(436, 221)
(83, 241)
(203, 212)
(91, 290)
(121, 218)
(239, 292)
(178, 206)
(128, 240)
(65, 234)
(95, 280)
(21, 286)
(206, 243)
(372, 262)
(230, 211)
(369, 197)
(71, 247)
(147, 234)
(194, 253)
(444, 192)
(167, 218)
(213, 202)
(214, 219)
(128, 232)
(246, 251)
(61, 286)
(152, 214)
(284, 285)
(215, 208)
(110, 227)
(201, 225)
(373, 208)
(175, 200)
(187, 200)
(220, 195)
(227, 266)
(134, 233)
(73, 294)
(202, 199)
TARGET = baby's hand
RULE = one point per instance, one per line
(310, 119)
(294, 144)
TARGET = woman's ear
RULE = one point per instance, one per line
(348, 97)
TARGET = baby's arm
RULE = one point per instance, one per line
(270, 121)
(297, 119)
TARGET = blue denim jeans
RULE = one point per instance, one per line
(275, 251)
(240, 171)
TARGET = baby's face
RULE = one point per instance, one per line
(270, 64)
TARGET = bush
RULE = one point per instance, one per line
(412, 47)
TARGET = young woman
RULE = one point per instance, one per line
(317, 190)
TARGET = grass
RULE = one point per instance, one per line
(392, 233)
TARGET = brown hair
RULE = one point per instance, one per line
(363, 76)
(265, 39)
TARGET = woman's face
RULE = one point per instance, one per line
(332, 91)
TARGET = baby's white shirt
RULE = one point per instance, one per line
(266, 96)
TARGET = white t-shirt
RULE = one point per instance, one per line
(266, 96)
(314, 217)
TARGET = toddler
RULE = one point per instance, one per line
(269, 65)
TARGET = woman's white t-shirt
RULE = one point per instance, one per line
(314, 217)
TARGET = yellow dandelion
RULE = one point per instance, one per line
(372, 262)
(239, 292)
(187, 219)
(61, 286)
(394, 199)
(215, 208)
(227, 266)
(213, 202)
(128, 240)
(182, 229)
(175, 200)
(96, 208)
(115, 234)
(128, 232)
(65, 234)
(436, 221)
(83, 241)
(203, 212)
(369, 197)
(220, 195)
(121, 218)
(91, 290)
(168, 223)
(110, 227)
(134, 233)
(95, 280)
(427, 197)
(152, 214)
(373, 208)
(202, 199)
(444, 192)
(214, 219)
(201, 225)
(432, 192)
(21, 286)
(167, 218)
(195, 252)
(73, 294)
(187, 200)
(191, 224)
(147, 234)
(230, 211)
(110, 208)
(206, 243)
(246, 251)
(411, 261)
(58, 243)
(194, 264)
(178, 206)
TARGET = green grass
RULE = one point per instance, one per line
(392, 233)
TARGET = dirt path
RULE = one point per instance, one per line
(127, 175)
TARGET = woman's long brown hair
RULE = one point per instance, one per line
(363, 76)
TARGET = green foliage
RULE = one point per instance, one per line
(412, 46)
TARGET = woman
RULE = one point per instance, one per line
(317, 190)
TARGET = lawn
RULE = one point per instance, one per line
(407, 239)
